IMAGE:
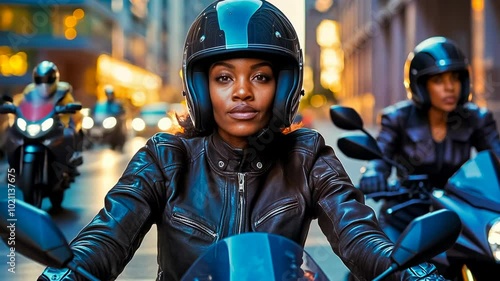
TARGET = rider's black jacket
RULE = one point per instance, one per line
(405, 136)
(200, 190)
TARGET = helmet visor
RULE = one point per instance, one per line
(46, 79)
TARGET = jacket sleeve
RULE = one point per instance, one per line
(349, 225)
(486, 133)
(110, 240)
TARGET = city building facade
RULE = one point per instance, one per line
(93, 42)
(378, 35)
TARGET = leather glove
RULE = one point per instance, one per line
(422, 272)
(372, 181)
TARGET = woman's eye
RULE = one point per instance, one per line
(223, 78)
(261, 77)
(436, 79)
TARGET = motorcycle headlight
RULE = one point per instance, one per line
(109, 122)
(33, 129)
(494, 239)
(87, 122)
(47, 124)
(21, 124)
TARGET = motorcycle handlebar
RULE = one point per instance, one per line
(7, 108)
(412, 186)
(68, 108)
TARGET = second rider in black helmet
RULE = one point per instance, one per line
(433, 133)
(234, 169)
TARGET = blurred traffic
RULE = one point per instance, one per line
(44, 143)
(157, 117)
(106, 122)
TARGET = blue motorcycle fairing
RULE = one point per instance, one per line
(477, 181)
(255, 256)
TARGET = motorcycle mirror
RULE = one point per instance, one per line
(346, 118)
(415, 246)
(34, 233)
(425, 237)
(359, 146)
(7, 98)
(7, 108)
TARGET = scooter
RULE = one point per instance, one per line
(473, 192)
(248, 256)
(39, 150)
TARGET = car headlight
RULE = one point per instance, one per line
(494, 239)
(164, 124)
(87, 122)
(138, 124)
(109, 122)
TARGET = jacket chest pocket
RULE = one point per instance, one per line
(193, 226)
(285, 208)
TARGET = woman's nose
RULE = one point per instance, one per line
(449, 83)
(242, 90)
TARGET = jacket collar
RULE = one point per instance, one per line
(224, 157)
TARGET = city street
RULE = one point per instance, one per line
(101, 169)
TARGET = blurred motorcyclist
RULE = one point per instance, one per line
(434, 132)
(113, 106)
(103, 111)
(46, 86)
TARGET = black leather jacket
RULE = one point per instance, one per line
(200, 190)
(405, 136)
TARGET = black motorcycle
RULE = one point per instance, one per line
(247, 256)
(39, 150)
(106, 124)
(473, 192)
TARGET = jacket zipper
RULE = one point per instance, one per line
(274, 212)
(241, 200)
(198, 226)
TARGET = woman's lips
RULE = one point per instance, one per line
(242, 115)
(243, 112)
(450, 100)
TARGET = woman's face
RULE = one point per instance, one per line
(242, 92)
(444, 91)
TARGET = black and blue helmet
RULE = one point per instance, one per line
(241, 28)
(433, 56)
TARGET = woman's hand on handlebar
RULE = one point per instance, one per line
(373, 181)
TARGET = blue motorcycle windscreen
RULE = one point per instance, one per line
(478, 177)
(255, 256)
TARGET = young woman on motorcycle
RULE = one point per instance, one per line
(233, 170)
(434, 132)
